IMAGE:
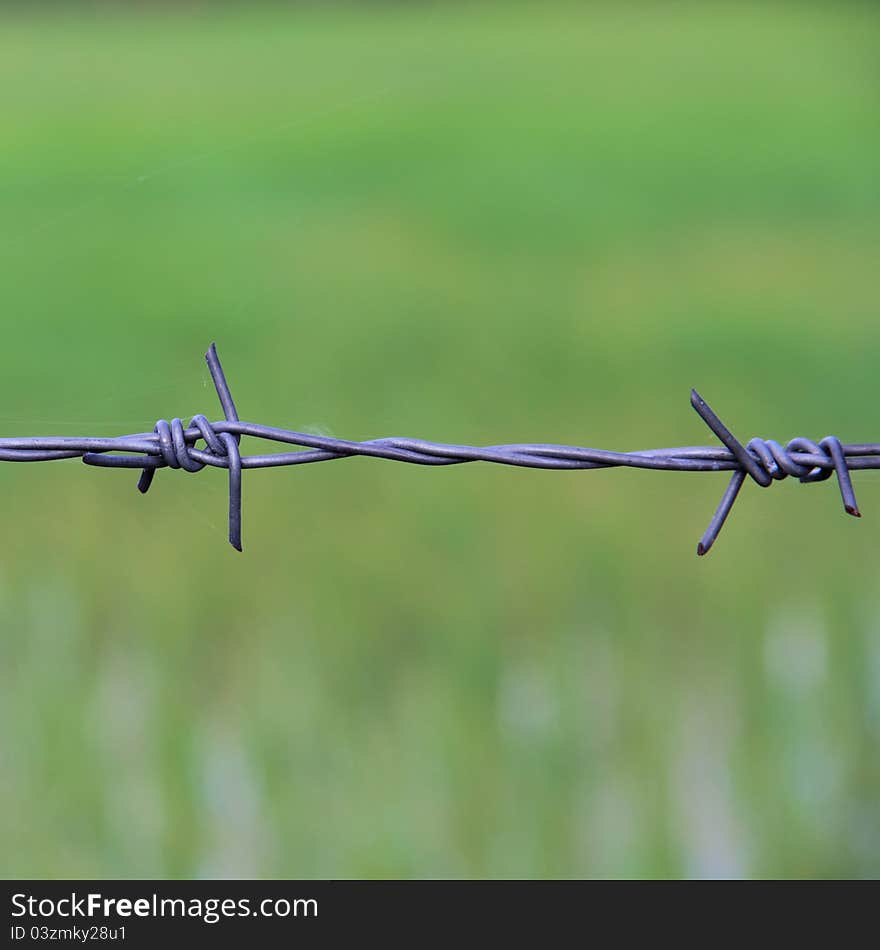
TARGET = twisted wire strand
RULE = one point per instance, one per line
(174, 445)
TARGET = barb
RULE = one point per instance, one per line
(173, 445)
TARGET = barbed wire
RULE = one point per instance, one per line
(173, 445)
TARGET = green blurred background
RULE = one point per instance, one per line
(473, 223)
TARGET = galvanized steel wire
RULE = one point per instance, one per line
(174, 445)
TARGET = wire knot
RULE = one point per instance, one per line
(765, 460)
(177, 448)
(778, 463)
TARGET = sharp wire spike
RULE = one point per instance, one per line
(721, 512)
(748, 462)
(222, 387)
(832, 445)
(230, 443)
(741, 454)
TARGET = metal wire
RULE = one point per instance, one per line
(173, 445)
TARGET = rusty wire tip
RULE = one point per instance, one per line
(721, 512)
(831, 444)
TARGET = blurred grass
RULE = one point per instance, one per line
(477, 223)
